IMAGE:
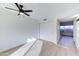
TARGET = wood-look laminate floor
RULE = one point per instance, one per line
(48, 49)
(51, 49)
(10, 51)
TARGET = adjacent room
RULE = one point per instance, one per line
(66, 32)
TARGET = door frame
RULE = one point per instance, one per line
(74, 32)
(58, 31)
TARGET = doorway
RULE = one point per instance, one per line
(66, 34)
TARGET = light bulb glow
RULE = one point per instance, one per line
(30, 39)
(21, 13)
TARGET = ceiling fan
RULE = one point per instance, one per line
(20, 9)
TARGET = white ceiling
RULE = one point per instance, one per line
(48, 11)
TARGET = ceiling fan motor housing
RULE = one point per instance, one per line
(21, 6)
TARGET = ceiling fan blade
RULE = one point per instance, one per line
(27, 10)
(11, 9)
(26, 14)
(17, 6)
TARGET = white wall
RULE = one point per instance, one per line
(14, 30)
(76, 32)
(48, 31)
